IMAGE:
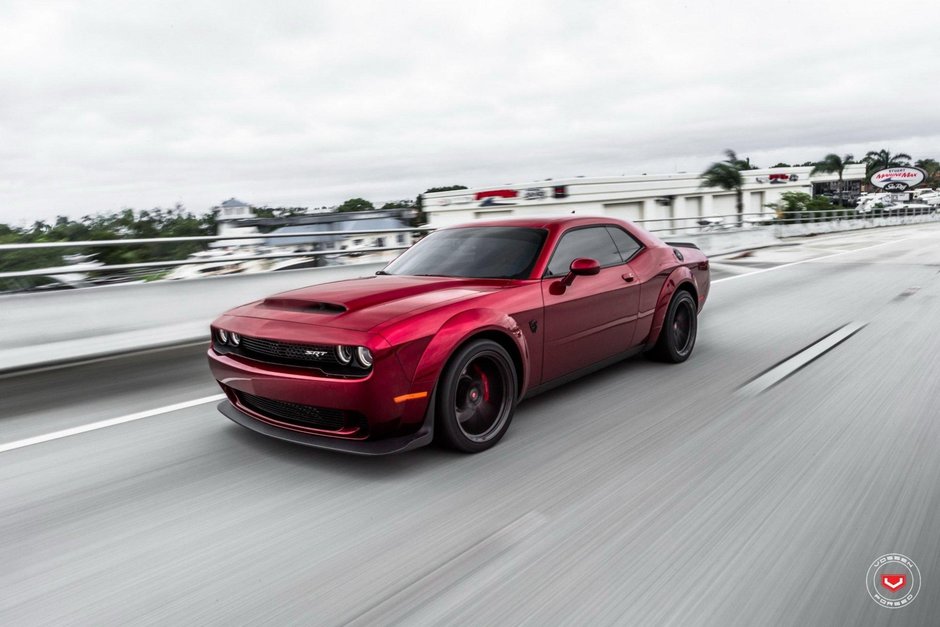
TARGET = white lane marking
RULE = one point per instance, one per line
(796, 263)
(784, 369)
(101, 424)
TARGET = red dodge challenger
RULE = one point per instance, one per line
(448, 338)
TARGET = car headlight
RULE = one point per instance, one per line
(235, 338)
(364, 356)
(344, 355)
(223, 336)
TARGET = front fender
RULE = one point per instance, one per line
(460, 328)
(678, 277)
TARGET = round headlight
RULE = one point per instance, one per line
(223, 336)
(343, 355)
(235, 339)
(364, 356)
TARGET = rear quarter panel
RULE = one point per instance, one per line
(663, 273)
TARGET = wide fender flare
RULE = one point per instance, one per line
(460, 328)
(674, 281)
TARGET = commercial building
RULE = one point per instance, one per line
(671, 199)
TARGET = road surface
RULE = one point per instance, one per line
(718, 492)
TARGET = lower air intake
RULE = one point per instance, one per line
(295, 413)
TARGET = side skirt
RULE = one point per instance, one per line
(577, 374)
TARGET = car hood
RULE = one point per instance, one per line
(362, 304)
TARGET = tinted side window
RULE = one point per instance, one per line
(625, 242)
(593, 243)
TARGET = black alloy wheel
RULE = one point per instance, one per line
(476, 397)
(680, 327)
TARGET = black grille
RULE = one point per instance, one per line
(282, 352)
(295, 413)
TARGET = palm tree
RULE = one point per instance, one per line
(727, 175)
(881, 159)
(741, 164)
(833, 163)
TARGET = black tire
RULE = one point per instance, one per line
(476, 397)
(680, 328)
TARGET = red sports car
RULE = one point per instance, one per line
(448, 338)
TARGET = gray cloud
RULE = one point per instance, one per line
(108, 104)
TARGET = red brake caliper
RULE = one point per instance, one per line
(484, 380)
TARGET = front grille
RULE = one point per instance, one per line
(295, 413)
(306, 354)
(318, 357)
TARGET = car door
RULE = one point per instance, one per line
(593, 318)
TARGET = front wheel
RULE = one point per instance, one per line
(680, 327)
(476, 397)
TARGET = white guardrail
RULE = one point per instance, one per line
(45, 328)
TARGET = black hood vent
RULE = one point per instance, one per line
(297, 304)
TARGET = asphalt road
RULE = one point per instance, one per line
(646, 494)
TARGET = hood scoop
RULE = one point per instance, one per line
(299, 304)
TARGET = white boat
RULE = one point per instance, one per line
(220, 262)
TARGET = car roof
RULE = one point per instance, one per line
(540, 221)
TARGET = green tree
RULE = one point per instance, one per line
(880, 159)
(727, 175)
(781, 165)
(126, 224)
(833, 163)
(355, 204)
(796, 205)
(399, 204)
(931, 167)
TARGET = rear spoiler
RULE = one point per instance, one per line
(683, 245)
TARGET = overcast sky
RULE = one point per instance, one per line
(107, 104)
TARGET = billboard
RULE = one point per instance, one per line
(898, 179)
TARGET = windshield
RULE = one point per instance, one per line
(487, 252)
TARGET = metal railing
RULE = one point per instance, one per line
(736, 222)
(205, 238)
(89, 267)
(671, 226)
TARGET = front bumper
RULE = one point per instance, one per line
(370, 398)
(309, 405)
(386, 446)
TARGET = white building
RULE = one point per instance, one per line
(663, 197)
(226, 218)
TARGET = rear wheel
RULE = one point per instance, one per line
(476, 397)
(680, 327)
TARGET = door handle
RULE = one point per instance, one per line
(629, 278)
